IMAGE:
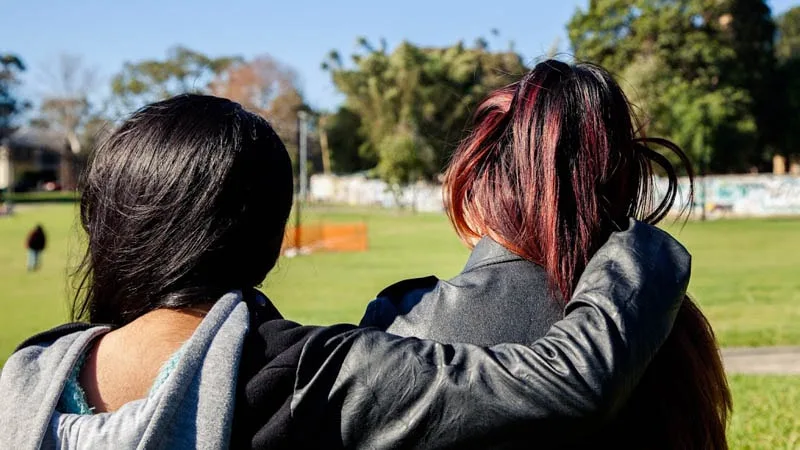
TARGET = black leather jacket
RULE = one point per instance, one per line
(360, 388)
(498, 297)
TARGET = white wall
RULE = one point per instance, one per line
(359, 190)
(5, 170)
(760, 195)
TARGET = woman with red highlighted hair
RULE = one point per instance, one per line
(552, 166)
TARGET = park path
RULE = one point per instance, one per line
(762, 360)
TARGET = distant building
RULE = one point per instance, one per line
(31, 157)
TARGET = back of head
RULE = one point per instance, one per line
(186, 200)
(553, 165)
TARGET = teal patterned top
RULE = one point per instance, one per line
(73, 398)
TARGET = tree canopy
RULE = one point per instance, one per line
(786, 90)
(11, 106)
(267, 87)
(719, 77)
(697, 69)
(183, 70)
(412, 103)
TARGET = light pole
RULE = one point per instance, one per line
(302, 131)
(303, 147)
(704, 159)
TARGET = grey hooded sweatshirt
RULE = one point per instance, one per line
(193, 408)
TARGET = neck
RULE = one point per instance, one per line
(167, 324)
(124, 363)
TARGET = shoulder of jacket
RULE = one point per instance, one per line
(400, 289)
(396, 300)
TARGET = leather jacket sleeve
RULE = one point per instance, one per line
(370, 389)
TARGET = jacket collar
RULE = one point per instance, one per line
(488, 251)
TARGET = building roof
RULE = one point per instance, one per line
(35, 138)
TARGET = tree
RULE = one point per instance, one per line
(787, 89)
(416, 101)
(787, 45)
(693, 67)
(403, 158)
(712, 124)
(183, 71)
(267, 87)
(750, 32)
(95, 129)
(345, 140)
(11, 106)
(66, 107)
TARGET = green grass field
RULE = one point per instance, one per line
(744, 277)
(766, 413)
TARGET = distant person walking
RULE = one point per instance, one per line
(36, 244)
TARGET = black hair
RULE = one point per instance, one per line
(188, 199)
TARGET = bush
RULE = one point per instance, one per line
(42, 197)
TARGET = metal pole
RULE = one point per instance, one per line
(303, 116)
(704, 159)
(298, 204)
(703, 184)
(297, 234)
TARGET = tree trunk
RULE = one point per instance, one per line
(326, 152)
(67, 166)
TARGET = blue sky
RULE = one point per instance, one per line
(299, 33)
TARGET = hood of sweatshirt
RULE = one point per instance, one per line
(193, 408)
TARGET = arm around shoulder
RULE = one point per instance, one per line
(373, 389)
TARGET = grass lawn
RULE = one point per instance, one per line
(32, 302)
(744, 277)
(744, 274)
(766, 413)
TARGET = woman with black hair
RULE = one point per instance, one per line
(184, 207)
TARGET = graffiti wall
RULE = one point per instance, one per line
(742, 195)
(723, 196)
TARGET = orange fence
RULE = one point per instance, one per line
(328, 237)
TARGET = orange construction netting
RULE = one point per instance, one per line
(330, 237)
